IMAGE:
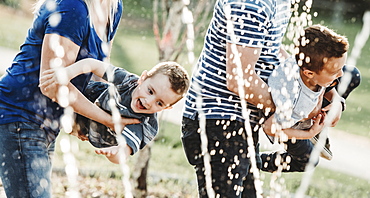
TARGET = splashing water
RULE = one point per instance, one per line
(298, 21)
(360, 41)
(188, 20)
(71, 169)
(245, 112)
(120, 139)
(67, 118)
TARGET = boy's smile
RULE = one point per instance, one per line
(153, 94)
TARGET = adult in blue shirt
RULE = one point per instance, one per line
(63, 32)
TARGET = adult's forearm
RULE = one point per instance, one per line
(256, 92)
(83, 106)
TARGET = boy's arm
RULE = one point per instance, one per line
(52, 78)
(86, 66)
(330, 95)
(271, 128)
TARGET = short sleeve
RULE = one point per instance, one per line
(139, 135)
(116, 75)
(70, 20)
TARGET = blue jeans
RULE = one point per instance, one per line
(229, 156)
(25, 160)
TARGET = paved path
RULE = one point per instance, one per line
(350, 152)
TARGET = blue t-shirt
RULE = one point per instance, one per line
(20, 96)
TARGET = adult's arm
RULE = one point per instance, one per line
(256, 90)
(61, 49)
(272, 129)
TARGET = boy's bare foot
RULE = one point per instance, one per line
(110, 152)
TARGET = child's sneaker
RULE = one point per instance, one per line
(325, 152)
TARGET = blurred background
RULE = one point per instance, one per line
(137, 47)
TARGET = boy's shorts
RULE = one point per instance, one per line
(104, 138)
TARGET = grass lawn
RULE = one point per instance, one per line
(170, 175)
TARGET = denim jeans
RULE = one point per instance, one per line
(25, 160)
(299, 155)
(229, 156)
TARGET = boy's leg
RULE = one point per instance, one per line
(227, 148)
(354, 82)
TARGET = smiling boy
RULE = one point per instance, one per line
(303, 89)
(139, 97)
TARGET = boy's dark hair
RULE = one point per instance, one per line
(176, 74)
(317, 45)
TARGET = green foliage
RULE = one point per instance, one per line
(11, 3)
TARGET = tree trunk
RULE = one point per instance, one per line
(140, 172)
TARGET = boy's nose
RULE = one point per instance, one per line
(150, 101)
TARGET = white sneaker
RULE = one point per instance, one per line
(325, 152)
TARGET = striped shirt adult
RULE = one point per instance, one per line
(256, 23)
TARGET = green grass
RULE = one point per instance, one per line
(324, 183)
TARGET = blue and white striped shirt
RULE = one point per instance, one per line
(256, 23)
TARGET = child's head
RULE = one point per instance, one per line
(160, 88)
(323, 53)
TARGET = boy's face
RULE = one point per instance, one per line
(153, 94)
(333, 69)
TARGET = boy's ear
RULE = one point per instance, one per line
(143, 76)
(308, 73)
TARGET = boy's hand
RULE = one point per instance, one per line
(109, 151)
(336, 117)
(51, 79)
(318, 125)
